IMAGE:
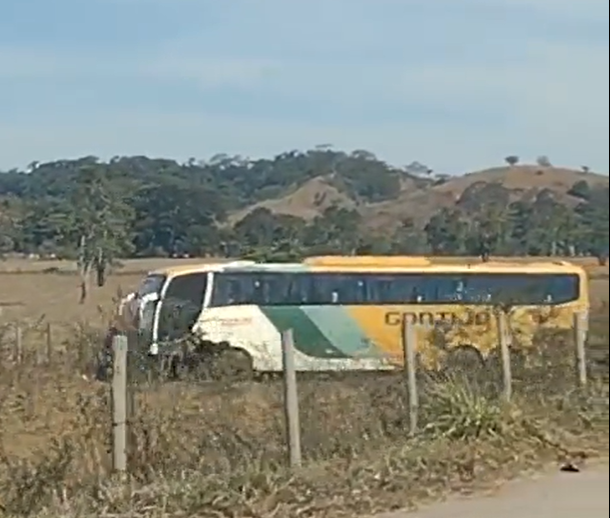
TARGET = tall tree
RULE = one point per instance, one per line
(446, 232)
(96, 224)
(594, 216)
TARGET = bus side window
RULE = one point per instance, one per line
(258, 293)
(340, 289)
(383, 290)
(298, 289)
(234, 293)
(349, 289)
(417, 297)
(459, 290)
(316, 286)
(361, 291)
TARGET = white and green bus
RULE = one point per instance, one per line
(347, 313)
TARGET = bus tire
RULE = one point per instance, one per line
(517, 363)
(103, 367)
(232, 364)
(179, 368)
(463, 360)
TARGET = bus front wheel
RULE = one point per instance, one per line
(232, 364)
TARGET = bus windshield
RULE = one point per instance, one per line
(374, 288)
(181, 305)
(146, 322)
(151, 284)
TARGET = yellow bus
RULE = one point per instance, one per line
(346, 313)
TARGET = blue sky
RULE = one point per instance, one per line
(456, 84)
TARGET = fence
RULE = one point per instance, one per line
(44, 343)
(122, 407)
(12, 336)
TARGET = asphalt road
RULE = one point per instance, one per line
(555, 495)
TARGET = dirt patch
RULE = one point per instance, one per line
(553, 495)
(306, 201)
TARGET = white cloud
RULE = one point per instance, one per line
(545, 96)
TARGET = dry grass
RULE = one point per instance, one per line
(213, 451)
(526, 177)
(208, 450)
(32, 289)
(306, 201)
(126, 267)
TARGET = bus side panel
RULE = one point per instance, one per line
(529, 321)
(325, 337)
(438, 329)
(333, 337)
(243, 327)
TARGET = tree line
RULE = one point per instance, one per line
(96, 211)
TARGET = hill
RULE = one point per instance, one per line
(516, 183)
(315, 201)
(420, 198)
(304, 201)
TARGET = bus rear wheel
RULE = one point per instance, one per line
(464, 360)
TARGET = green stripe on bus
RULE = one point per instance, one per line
(308, 339)
(341, 329)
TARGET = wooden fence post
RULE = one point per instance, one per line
(409, 339)
(119, 403)
(291, 400)
(49, 343)
(40, 354)
(134, 377)
(18, 344)
(504, 338)
(579, 340)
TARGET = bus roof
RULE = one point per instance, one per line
(185, 269)
(489, 267)
(367, 260)
(368, 265)
(497, 267)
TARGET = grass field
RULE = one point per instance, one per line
(219, 451)
(214, 451)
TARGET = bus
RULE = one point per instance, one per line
(347, 313)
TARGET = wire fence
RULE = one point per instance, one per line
(84, 351)
(75, 431)
(42, 343)
(501, 381)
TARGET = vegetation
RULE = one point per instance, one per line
(94, 211)
(216, 451)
